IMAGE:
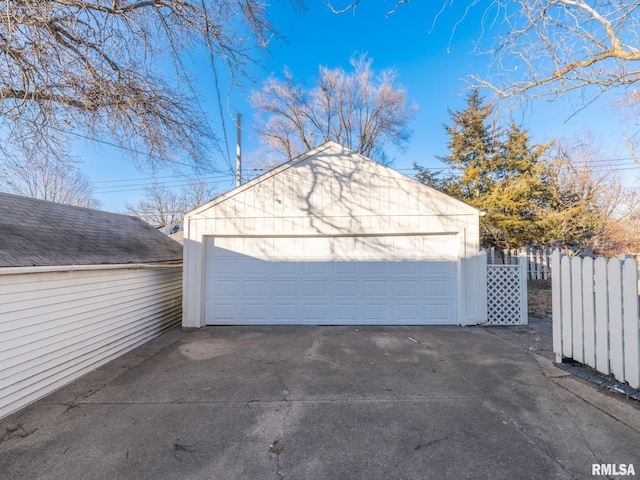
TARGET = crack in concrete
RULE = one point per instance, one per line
(180, 449)
(325, 359)
(13, 431)
(277, 448)
(512, 422)
(429, 443)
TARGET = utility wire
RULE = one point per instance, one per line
(142, 186)
(132, 150)
(195, 96)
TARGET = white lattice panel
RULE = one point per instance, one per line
(506, 295)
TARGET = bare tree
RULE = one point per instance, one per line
(546, 48)
(196, 193)
(48, 179)
(164, 206)
(94, 69)
(361, 110)
(588, 204)
(345, 7)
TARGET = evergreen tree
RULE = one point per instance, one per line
(472, 147)
(497, 171)
(516, 205)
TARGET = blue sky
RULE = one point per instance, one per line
(431, 64)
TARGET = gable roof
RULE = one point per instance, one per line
(40, 233)
(332, 148)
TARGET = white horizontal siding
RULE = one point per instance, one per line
(57, 326)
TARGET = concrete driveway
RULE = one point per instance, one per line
(320, 403)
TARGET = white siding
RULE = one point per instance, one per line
(333, 191)
(57, 326)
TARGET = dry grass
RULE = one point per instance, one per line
(539, 298)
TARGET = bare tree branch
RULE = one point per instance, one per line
(592, 207)
(547, 48)
(353, 5)
(163, 206)
(95, 67)
(360, 110)
(38, 176)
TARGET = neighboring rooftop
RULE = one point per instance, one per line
(40, 233)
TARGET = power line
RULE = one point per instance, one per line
(195, 96)
(145, 182)
(142, 186)
(133, 150)
(140, 179)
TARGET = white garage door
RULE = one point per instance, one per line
(331, 280)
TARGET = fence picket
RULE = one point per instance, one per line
(556, 306)
(577, 340)
(631, 324)
(539, 264)
(567, 316)
(588, 302)
(602, 315)
(538, 260)
(616, 359)
(596, 314)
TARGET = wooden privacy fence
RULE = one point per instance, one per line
(595, 314)
(538, 260)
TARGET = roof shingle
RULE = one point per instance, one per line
(40, 233)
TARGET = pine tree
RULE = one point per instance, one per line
(516, 204)
(472, 147)
(497, 171)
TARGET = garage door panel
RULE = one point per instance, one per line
(222, 266)
(285, 288)
(405, 268)
(316, 268)
(315, 312)
(439, 268)
(257, 288)
(346, 288)
(376, 268)
(345, 268)
(285, 268)
(407, 313)
(346, 312)
(285, 312)
(315, 288)
(406, 288)
(376, 312)
(381, 280)
(223, 311)
(254, 311)
(223, 287)
(440, 288)
(438, 313)
(376, 288)
(252, 266)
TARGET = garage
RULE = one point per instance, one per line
(333, 238)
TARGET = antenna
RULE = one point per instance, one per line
(239, 151)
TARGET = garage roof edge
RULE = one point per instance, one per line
(265, 176)
(327, 146)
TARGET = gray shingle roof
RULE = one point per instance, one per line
(36, 232)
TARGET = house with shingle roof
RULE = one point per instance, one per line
(78, 287)
(40, 233)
